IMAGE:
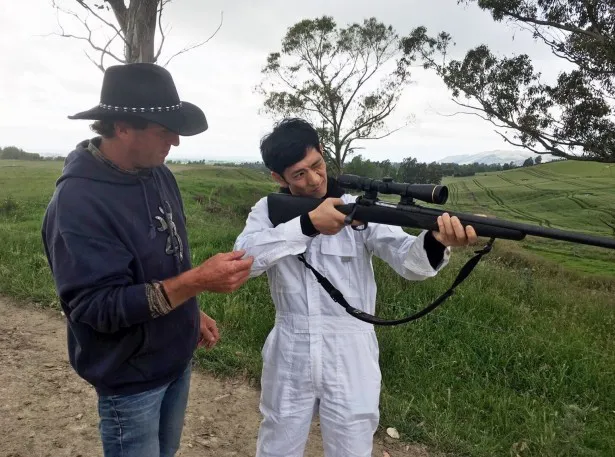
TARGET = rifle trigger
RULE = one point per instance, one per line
(350, 217)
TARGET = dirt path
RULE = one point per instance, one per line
(46, 410)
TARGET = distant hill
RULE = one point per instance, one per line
(494, 157)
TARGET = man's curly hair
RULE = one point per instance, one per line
(106, 127)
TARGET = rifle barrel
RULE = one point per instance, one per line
(526, 229)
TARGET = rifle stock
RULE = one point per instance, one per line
(285, 207)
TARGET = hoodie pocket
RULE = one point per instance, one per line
(168, 343)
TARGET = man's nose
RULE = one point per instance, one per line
(174, 139)
(313, 178)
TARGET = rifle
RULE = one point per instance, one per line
(406, 213)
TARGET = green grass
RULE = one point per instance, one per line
(565, 195)
(520, 361)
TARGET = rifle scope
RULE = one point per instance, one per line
(430, 193)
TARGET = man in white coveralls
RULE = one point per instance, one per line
(317, 357)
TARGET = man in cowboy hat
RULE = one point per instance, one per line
(115, 238)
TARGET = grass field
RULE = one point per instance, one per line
(564, 195)
(520, 361)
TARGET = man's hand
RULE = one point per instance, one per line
(326, 219)
(209, 332)
(451, 232)
(224, 272)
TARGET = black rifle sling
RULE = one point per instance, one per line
(338, 297)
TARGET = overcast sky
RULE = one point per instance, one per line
(45, 78)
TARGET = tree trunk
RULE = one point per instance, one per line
(337, 161)
(141, 30)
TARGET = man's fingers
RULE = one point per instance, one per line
(331, 202)
(207, 335)
(451, 230)
(243, 265)
(460, 233)
(242, 276)
(234, 255)
(339, 216)
(211, 324)
(237, 279)
(335, 201)
(222, 257)
(471, 234)
(448, 227)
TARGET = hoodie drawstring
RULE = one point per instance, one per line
(152, 229)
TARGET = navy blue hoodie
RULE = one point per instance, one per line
(106, 234)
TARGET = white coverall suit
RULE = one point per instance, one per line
(317, 357)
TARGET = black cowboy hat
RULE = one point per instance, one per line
(146, 91)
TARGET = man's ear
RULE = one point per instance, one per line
(121, 128)
(279, 179)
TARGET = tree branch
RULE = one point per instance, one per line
(104, 51)
(162, 35)
(104, 21)
(384, 112)
(468, 113)
(379, 137)
(320, 109)
(507, 140)
(362, 80)
(568, 28)
(188, 48)
(99, 66)
(509, 123)
(326, 86)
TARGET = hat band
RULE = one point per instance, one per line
(131, 109)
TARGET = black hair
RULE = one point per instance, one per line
(288, 143)
(106, 127)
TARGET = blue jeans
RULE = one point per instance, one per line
(144, 424)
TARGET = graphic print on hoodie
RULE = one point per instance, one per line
(107, 235)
